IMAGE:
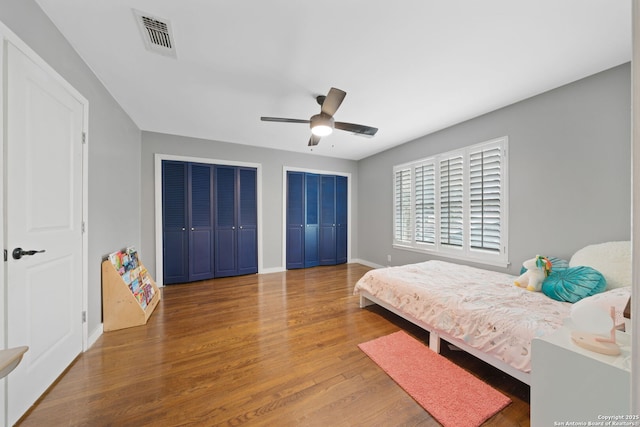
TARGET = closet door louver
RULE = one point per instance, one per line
(187, 222)
(247, 221)
(312, 223)
(425, 203)
(200, 222)
(226, 261)
(451, 201)
(295, 220)
(236, 236)
(402, 193)
(174, 223)
(485, 198)
(327, 245)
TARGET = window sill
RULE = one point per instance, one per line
(495, 262)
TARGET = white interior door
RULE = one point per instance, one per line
(44, 125)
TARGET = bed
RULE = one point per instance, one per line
(478, 311)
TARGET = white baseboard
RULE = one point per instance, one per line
(94, 336)
(351, 261)
(365, 262)
(272, 270)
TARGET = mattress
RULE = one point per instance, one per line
(482, 308)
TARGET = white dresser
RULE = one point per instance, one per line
(572, 385)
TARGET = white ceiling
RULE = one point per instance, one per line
(409, 67)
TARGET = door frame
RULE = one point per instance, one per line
(8, 36)
(287, 169)
(158, 158)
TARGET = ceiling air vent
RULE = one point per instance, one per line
(156, 33)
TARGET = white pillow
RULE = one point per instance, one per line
(612, 259)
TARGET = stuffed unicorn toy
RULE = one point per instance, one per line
(538, 269)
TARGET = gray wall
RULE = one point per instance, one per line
(569, 171)
(272, 163)
(114, 146)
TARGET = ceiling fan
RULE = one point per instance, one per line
(323, 124)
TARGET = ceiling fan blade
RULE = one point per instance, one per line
(332, 101)
(280, 119)
(314, 140)
(359, 129)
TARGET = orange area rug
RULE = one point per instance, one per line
(450, 394)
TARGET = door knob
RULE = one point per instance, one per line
(19, 253)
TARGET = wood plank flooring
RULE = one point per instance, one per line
(262, 350)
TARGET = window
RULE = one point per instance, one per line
(454, 204)
(425, 206)
(403, 205)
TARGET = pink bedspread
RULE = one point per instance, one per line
(483, 308)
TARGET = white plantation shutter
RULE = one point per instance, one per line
(451, 201)
(402, 203)
(455, 204)
(425, 203)
(485, 198)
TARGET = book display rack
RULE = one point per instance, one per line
(129, 294)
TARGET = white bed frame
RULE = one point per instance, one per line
(366, 299)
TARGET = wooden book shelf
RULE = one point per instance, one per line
(120, 306)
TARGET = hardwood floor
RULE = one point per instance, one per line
(273, 349)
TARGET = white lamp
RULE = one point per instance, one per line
(595, 329)
(321, 124)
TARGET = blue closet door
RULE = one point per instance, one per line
(312, 220)
(236, 221)
(295, 220)
(201, 222)
(341, 219)
(327, 220)
(247, 221)
(174, 222)
(317, 215)
(225, 221)
(187, 221)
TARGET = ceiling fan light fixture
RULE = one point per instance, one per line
(321, 130)
(321, 125)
